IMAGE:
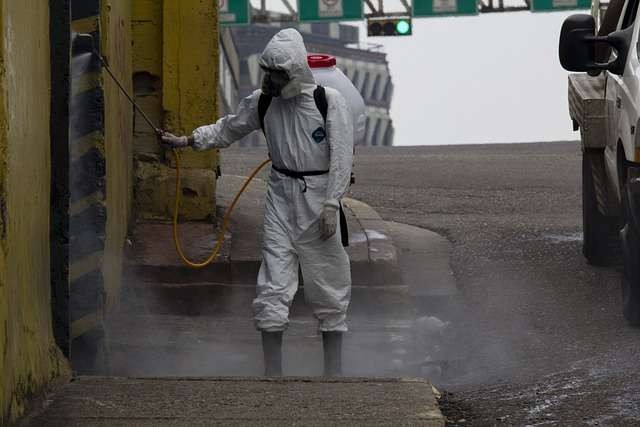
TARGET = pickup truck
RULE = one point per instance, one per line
(604, 104)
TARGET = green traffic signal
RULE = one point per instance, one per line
(403, 27)
(388, 26)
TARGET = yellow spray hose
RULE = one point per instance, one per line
(225, 221)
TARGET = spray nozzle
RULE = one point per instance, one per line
(83, 43)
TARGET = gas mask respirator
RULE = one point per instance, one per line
(274, 81)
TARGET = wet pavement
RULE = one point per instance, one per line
(533, 335)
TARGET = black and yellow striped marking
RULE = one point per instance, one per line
(87, 178)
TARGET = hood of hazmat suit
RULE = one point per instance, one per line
(299, 141)
(286, 52)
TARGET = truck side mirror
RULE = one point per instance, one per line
(577, 48)
(577, 45)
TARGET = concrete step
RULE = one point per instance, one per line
(99, 401)
(219, 299)
(172, 345)
(157, 282)
(206, 328)
(237, 272)
(152, 255)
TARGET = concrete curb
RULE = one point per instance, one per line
(98, 401)
(424, 260)
(380, 267)
(374, 259)
(219, 299)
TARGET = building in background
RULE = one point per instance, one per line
(365, 65)
(229, 73)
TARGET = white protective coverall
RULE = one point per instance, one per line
(292, 217)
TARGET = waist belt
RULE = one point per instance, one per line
(344, 230)
(300, 175)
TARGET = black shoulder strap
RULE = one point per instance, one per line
(320, 96)
(263, 106)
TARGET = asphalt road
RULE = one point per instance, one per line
(534, 335)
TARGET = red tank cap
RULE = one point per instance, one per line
(321, 61)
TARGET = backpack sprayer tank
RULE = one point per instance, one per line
(327, 74)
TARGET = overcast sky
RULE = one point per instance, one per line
(489, 78)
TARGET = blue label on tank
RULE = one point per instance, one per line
(319, 135)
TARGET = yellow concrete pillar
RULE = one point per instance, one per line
(190, 71)
(175, 65)
(147, 75)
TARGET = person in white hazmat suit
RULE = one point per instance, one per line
(311, 173)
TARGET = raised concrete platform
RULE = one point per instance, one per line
(229, 283)
(206, 329)
(372, 253)
(96, 401)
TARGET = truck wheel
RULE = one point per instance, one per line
(630, 237)
(601, 233)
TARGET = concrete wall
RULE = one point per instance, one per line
(29, 357)
(175, 79)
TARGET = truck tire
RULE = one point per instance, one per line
(630, 236)
(601, 241)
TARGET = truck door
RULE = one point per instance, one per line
(621, 103)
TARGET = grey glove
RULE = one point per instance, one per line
(328, 222)
(171, 141)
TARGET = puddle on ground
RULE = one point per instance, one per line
(356, 238)
(375, 235)
(368, 235)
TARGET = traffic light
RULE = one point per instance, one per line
(389, 26)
